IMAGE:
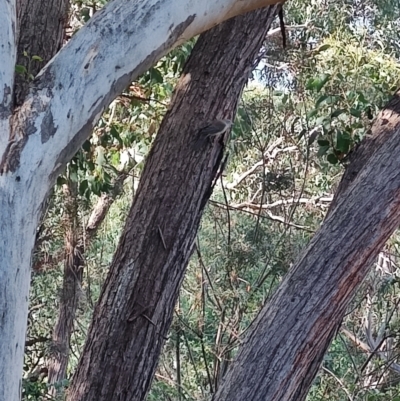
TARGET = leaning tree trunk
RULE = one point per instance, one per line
(286, 343)
(69, 299)
(64, 102)
(76, 242)
(136, 305)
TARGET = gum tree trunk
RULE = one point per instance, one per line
(65, 101)
(76, 242)
(70, 291)
(41, 34)
(132, 318)
(283, 351)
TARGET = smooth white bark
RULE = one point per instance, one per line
(8, 56)
(13, 307)
(17, 233)
(119, 43)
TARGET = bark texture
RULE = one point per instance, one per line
(65, 101)
(73, 269)
(8, 55)
(286, 343)
(19, 213)
(120, 42)
(136, 305)
(76, 243)
(41, 33)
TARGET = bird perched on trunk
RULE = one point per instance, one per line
(216, 127)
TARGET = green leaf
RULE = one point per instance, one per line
(61, 181)
(343, 141)
(73, 176)
(104, 140)
(20, 69)
(355, 112)
(106, 178)
(332, 158)
(332, 100)
(362, 99)
(37, 58)
(115, 134)
(83, 186)
(91, 165)
(302, 133)
(325, 122)
(318, 83)
(320, 100)
(323, 142)
(85, 14)
(86, 146)
(338, 112)
(324, 47)
(351, 95)
(323, 150)
(115, 158)
(156, 75)
(312, 113)
(95, 187)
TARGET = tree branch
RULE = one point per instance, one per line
(70, 93)
(270, 154)
(283, 202)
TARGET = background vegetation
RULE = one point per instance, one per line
(301, 115)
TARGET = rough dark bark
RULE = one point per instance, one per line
(286, 343)
(386, 125)
(69, 299)
(66, 100)
(135, 309)
(75, 245)
(41, 33)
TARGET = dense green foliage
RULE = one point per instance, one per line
(298, 120)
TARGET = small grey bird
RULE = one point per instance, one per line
(216, 127)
